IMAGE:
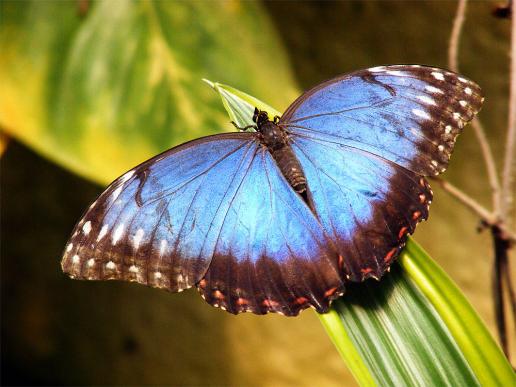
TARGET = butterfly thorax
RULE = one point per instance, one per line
(276, 140)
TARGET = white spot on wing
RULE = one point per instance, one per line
(447, 129)
(440, 148)
(138, 238)
(468, 91)
(126, 177)
(116, 193)
(426, 99)
(162, 246)
(157, 275)
(133, 269)
(456, 116)
(394, 72)
(434, 90)
(463, 80)
(421, 113)
(91, 262)
(86, 228)
(376, 69)
(103, 232)
(438, 76)
(118, 233)
(75, 259)
(69, 247)
(434, 163)
(463, 103)
(110, 265)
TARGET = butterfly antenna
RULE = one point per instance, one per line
(243, 128)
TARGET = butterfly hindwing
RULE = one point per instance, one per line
(408, 114)
(272, 254)
(366, 205)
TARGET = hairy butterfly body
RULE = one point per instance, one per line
(280, 219)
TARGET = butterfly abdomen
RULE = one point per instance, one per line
(290, 168)
(276, 140)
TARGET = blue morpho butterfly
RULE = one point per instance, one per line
(280, 219)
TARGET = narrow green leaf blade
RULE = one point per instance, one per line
(398, 333)
(469, 331)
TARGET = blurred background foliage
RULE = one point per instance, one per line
(97, 87)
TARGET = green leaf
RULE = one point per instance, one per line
(103, 90)
(239, 105)
(467, 328)
(399, 336)
(414, 327)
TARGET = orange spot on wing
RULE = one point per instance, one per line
(218, 295)
(330, 292)
(202, 283)
(422, 198)
(301, 300)
(416, 215)
(402, 232)
(389, 255)
(270, 303)
(367, 270)
(341, 262)
(242, 301)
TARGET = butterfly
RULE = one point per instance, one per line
(280, 219)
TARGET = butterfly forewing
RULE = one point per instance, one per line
(158, 223)
(408, 114)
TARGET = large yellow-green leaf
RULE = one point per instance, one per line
(103, 88)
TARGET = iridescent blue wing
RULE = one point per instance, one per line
(215, 213)
(364, 141)
(407, 114)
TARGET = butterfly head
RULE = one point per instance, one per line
(260, 117)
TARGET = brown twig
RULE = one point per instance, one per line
(501, 248)
(453, 63)
(507, 176)
(453, 47)
(492, 174)
(484, 214)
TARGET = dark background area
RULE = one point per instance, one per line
(58, 331)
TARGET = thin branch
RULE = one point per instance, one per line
(485, 215)
(512, 295)
(453, 64)
(501, 248)
(453, 47)
(492, 174)
(507, 176)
